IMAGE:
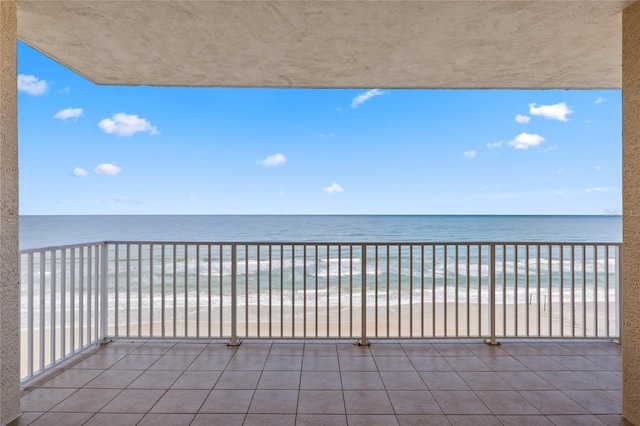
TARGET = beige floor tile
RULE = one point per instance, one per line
(601, 379)
(180, 401)
(361, 380)
(274, 401)
(539, 363)
(155, 380)
(357, 363)
(135, 362)
(524, 420)
(575, 420)
(553, 402)
(467, 363)
(387, 349)
(430, 363)
(218, 420)
(320, 402)
(27, 417)
(473, 420)
(167, 420)
(506, 402)
(197, 380)
(567, 380)
(42, 399)
(515, 348)
(114, 419)
(74, 378)
(227, 401)
(321, 420)
(613, 420)
(187, 349)
(402, 380)
(270, 420)
(503, 363)
(422, 420)
(279, 380)
(100, 361)
(119, 347)
(173, 362)
(114, 379)
(414, 402)
(484, 380)
(553, 349)
(284, 363)
(154, 348)
(596, 401)
(287, 349)
(420, 349)
(443, 380)
(453, 349)
(576, 363)
(350, 349)
(209, 363)
(367, 402)
(371, 420)
(484, 350)
(86, 400)
(320, 363)
(525, 380)
(460, 402)
(321, 380)
(66, 419)
(607, 362)
(394, 363)
(319, 349)
(238, 380)
(219, 349)
(133, 401)
(247, 362)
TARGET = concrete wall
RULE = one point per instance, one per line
(9, 256)
(631, 218)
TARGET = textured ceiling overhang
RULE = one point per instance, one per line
(401, 44)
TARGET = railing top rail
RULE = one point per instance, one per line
(62, 247)
(328, 243)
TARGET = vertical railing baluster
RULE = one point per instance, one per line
(492, 295)
(444, 288)
(90, 292)
(30, 314)
(595, 290)
(116, 285)
(197, 290)
(606, 290)
(53, 308)
(234, 307)
(72, 301)
(561, 290)
(584, 290)
(104, 293)
(140, 290)
(63, 302)
(618, 291)
(128, 284)
(163, 297)
(550, 289)
(363, 273)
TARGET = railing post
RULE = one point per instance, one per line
(492, 296)
(104, 294)
(619, 255)
(234, 298)
(363, 303)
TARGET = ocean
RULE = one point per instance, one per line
(46, 231)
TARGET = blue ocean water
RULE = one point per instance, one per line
(46, 231)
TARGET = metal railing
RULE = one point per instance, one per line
(75, 295)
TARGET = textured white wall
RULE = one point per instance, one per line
(9, 255)
(631, 218)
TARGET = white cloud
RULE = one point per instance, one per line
(599, 189)
(493, 145)
(65, 114)
(80, 172)
(600, 100)
(280, 194)
(522, 119)
(325, 135)
(333, 189)
(32, 85)
(470, 154)
(364, 97)
(554, 112)
(126, 125)
(64, 91)
(526, 141)
(274, 160)
(107, 169)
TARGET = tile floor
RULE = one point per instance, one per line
(333, 383)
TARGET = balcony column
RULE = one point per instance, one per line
(631, 213)
(9, 254)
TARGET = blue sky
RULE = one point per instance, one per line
(88, 149)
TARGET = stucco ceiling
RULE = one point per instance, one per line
(427, 44)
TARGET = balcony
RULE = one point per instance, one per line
(148, 332)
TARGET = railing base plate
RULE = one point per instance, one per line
(491, 343)
(363, 342)
(236, 343)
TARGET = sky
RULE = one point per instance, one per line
(89, 149)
